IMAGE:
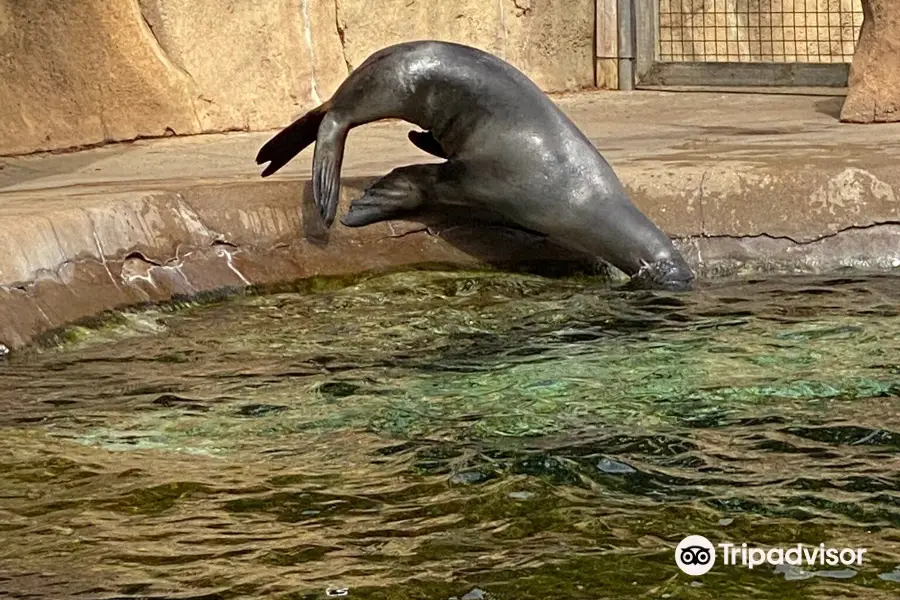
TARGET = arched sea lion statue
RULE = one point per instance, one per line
(508, 149)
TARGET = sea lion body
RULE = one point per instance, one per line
(510, 151)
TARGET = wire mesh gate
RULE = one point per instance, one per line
(746, 42)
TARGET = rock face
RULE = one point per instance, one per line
(74, 73)
(550, 40)
(253, 64)
(92, 71)
(874, 95)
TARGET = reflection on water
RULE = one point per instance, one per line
(434, 435)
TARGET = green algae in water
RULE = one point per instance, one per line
(421, 435)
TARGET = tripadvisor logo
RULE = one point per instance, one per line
(696, 555)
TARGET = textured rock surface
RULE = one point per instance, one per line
(746, 182)
(874, 94)
(74, 73)
(82, 73)
(254, 64)
(366, 29)
(551, 40)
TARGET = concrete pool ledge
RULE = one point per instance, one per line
(745, 182)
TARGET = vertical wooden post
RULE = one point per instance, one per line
(607, 44)
(626, 44)
(646, 37)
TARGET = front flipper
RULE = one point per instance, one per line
(400, 192)
(327, 159)
(425, 141)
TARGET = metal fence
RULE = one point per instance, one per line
(764, 42)
(808, 31)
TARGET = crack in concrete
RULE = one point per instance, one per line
(102, 256)
(41, 311)
(192, 221)
(702, 201)
(178, 257)
(222, 251)
(45, 273)
(138, 255)
(231, 266)
(59, 245)
(703, 234)
(175, 263)
(796, 242)
(402, 234)
(220, 246)
(523, 11)
(340, 31)
(100, 251)
(37, 275)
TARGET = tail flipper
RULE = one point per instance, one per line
(425, 140)
(292, 140)
(398, 193)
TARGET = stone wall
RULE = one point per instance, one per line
(874, 95)
(85, 72)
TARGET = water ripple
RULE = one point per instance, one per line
(437, 435)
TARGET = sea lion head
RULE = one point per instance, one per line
(669, 272)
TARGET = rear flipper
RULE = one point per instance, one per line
(292, 140)
(400, 192)
(425, 140)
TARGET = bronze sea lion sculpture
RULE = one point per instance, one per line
(509, 150)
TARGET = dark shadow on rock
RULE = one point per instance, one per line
(746, 131)
(481, 234)
(18, 170)
(831, 106)
(504, 245)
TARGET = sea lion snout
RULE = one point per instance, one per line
(667, 273)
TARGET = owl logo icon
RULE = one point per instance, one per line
(695, 555)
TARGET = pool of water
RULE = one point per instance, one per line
(432, 435)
